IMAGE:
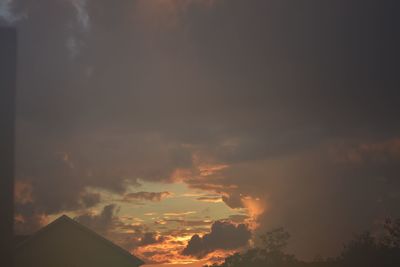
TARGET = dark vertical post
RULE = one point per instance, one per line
(8, 44)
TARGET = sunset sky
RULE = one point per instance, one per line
(183, 129)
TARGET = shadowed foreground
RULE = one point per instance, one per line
(364, 250)
(66, 243)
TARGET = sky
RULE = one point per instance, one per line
(183, 129)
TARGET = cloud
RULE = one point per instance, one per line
(149, 239)
(101, 222)
(211, 198)
(190, 223)
(223, 235)
(378, 152)
(76, 40)
(233, 200)
(90, 199)
(169, 250)
(128, 232)
(148, 196)
(179, 213)
(23, 192)
(238, 218)
(82, 15)
(30, 222)
(167, 15)
(6, 11)
(279, 93)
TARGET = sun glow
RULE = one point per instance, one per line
(255, 207)
(168, 251)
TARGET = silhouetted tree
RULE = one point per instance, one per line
(362, 251)
(270, 254)
(392, 233)
(275, 240)
(365, 250)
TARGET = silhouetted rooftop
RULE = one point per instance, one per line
(66, 237)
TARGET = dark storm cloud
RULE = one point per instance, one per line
(286, 93)
(233, 200)
(31, 220)
(305, 73)
(99, 222)
(53, 187)
(90, 199)
(149, 239)
(137, 239)
(109, 224)
(223, 235)
(59, 102)
(316, 192)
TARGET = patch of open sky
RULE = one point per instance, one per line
(181, 204)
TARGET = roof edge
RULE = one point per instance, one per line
(65, 218)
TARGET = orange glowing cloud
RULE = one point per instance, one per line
(255, 207)
(169, 250)
(147, 196)
(179, 213)
(23, 192)
(211, 199)
(208, 170)
(172, 243)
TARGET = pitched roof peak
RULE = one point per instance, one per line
(66, 219)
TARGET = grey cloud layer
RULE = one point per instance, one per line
(270, 88)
